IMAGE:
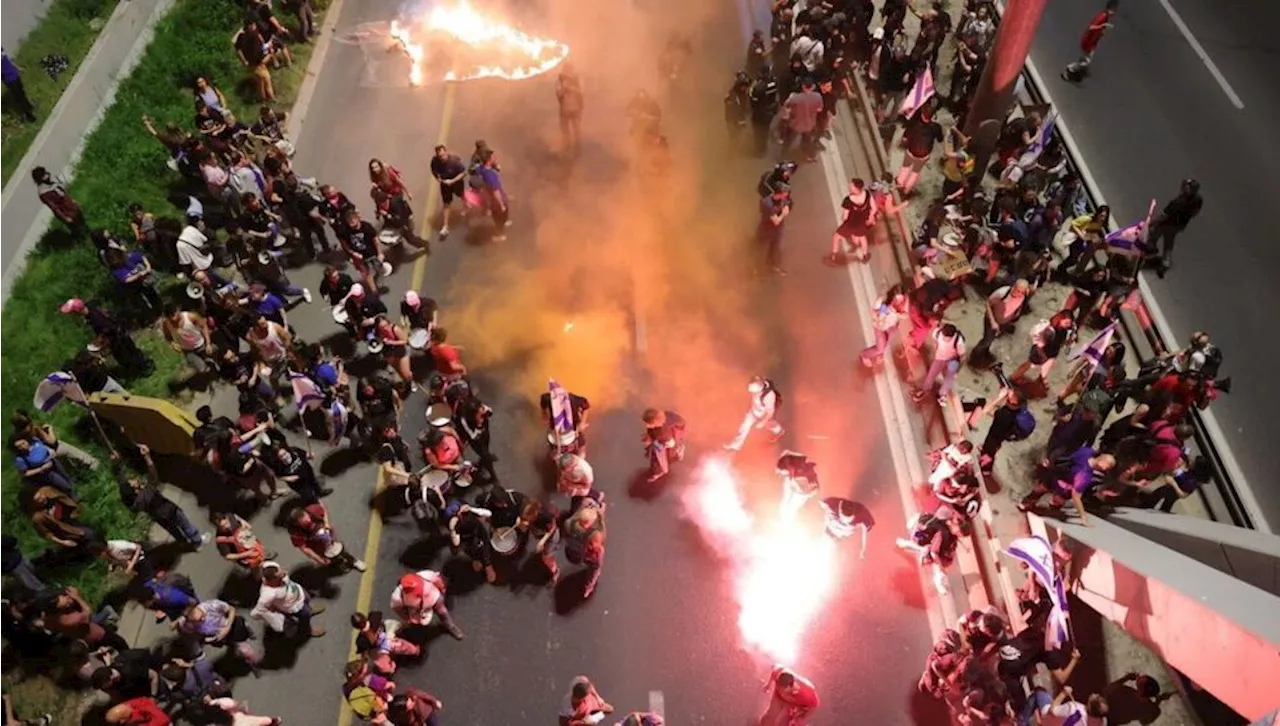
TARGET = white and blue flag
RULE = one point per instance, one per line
(1093, 349)
(1037, 554)
(1038, 144)
(56, 387)
(561, 410)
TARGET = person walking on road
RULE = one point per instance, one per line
(583, 705)
(12, 74)
(1098, 27)
(450, 171)
(774, 210)
(281, 599)
(765, 400)
(418, 596)
(1177, 214)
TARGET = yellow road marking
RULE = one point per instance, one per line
(364, 596)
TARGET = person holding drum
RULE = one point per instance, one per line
(543, 525)
(579, 412)
(310, 531)
(391, 198)
(447, 358)
(360, 241)
(395, 349)
(419, 596)
(376, 636)
(380, 402)
(335, 285)
(419, 315)
(471, 417)
(469, 533)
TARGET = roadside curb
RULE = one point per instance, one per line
(115, 28)
(298, 113)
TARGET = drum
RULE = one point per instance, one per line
(436, 479)
(333, 550)
(505, 540)
(387, 269)
(285, 147)
(566, 439)
(374, 344)
(419, 338)
(439, 414)
(390, 237)
(340, 315)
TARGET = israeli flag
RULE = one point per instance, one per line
(1032, 154)
(920, 92)
(1094, 349)
(338, 416)
(561, 411)
(1129, 240)
(1037, 554)
(306, 394)
(58, 386)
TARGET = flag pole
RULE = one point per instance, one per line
(97, 423)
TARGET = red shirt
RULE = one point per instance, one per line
(307, 537)
(446, 357)
(145, 712)
(391, 183)
(1093, 34)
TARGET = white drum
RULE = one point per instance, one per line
(439, 414)
(505, 540)
(435, 479)
(390, 237)
(340, 315)
(333, 550)
(568, 438)
(375, 345)
(387, 269)
(418, 339)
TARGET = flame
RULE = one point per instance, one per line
(469, 34)
(783, 574)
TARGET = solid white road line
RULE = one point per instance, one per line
(1204, 56)
(1212, 427)
(658, 704)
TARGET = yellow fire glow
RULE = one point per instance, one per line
(508, 53)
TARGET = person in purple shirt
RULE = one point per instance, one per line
(12, 75)
(1070, 478)
(491, 177)
(267, 304)
(134, 272)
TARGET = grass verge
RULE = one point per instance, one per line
(121, 164)
(69, 28)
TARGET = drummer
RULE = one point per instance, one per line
(584, 534)
(579, 412)
(469, 533)
(380, 402)
(418, 313)
(363, 309)
(471, 417)
(418, 596)
(504, 505)
(310, 531)
(543, 525)
(575, 480)
(335, 285)
(395, 349)
(442, 448)
(665, 431)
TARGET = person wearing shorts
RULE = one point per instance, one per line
(859, 211)
(921, 134)
(450, 171)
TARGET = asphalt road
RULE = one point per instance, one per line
(584, 249)
(1152, 114)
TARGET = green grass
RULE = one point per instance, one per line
(121, 164)
(68, 28)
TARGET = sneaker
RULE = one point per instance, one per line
(360, 566)
(205, 537)
(444, 232)
(317, 609)
(318, 631)
(306, 294)
(775, 438)
(508, 224)
(455, 631)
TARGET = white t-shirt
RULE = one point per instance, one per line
(430, 596)
(947, 348)
(192, 248)
(121, 551)
(287, 598)
(1070, 713)
(1005, 305)
(576, 480)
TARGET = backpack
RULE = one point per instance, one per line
(365, 702)
(1024, 424)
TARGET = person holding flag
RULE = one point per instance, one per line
(565, 415)
(1090, 355)
(921, 135)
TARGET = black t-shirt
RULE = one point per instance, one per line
(379, 402)
(336, 290)
(335, 209)
(921, 134)
(447, 168)
(395, 450)
(420, 318)
(1020, 653)
(360, 240)
(578, 406)
(932, 298)
(134, 665)
(861, 515)
(236, 369)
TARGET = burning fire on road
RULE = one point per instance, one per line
(456, 41)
